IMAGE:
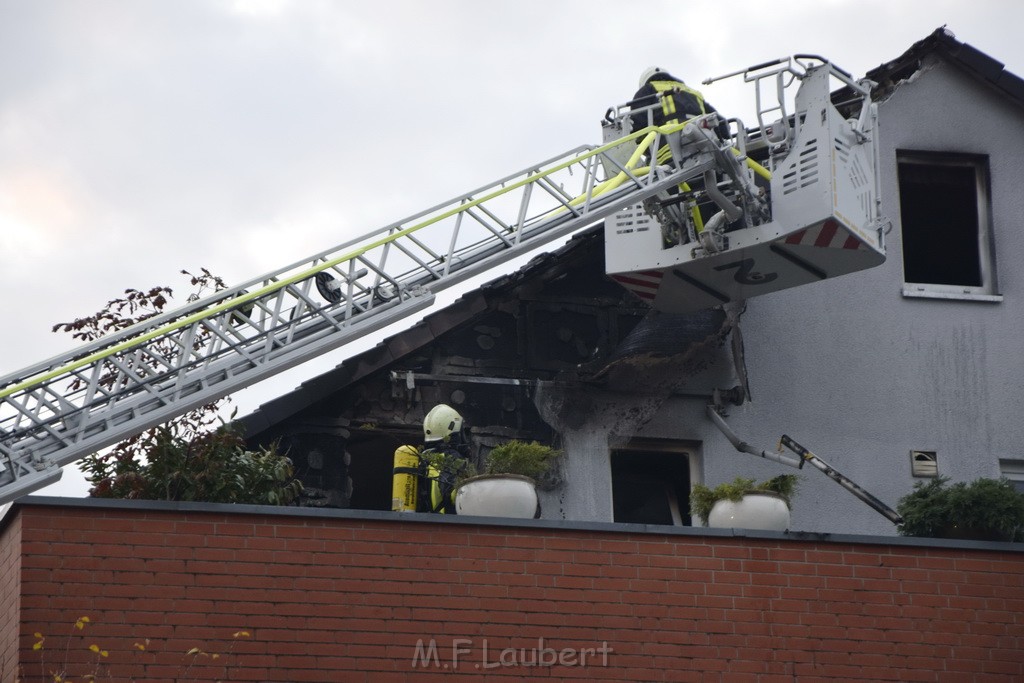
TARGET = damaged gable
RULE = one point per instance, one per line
(943, 43)
(559, 322)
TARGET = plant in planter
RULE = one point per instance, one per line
(508, 486)
(984, 509)
(726, 505)
(533, 460)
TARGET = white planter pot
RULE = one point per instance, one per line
(498, 495)
(764, 511)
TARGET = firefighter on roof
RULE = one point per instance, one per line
(424, 477)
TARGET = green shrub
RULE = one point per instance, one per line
(189, 457)
(986, 509)
(532, 459)
(215, 467)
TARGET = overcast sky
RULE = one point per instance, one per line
(139, 137)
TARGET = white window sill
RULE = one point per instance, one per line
(920, 292)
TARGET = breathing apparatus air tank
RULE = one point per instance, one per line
(405, 479)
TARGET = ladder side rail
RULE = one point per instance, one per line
(472, 253)
(267, 280)
(470, 265)
(225, 338)
(445, 259)
(453, 257)
(113, 338)
(328, 255)
(308, 332)
(149, 332)
(145, 381)
(456, 258)
(238, 292)
(392, 243)
(84, 443)
(109, 379)
(182, 383)
(479, 204)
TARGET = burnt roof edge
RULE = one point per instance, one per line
(393, 348)
(973, 61)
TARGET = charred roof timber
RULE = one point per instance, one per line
(943, 42)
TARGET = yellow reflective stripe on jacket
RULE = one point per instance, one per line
(668, 103)
(668, 107)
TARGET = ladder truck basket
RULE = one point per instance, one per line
(820, 207)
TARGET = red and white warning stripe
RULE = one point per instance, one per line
(643, 283)
(826, 235)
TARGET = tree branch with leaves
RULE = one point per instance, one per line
(197, 456)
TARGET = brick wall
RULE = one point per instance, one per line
(336, 596)
(10, 589)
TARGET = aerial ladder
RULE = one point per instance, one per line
(808, 212)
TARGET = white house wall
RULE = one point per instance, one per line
(859, 374)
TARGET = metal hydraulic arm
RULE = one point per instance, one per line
(60, 410)
(805, 456)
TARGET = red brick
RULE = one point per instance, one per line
(349, 598)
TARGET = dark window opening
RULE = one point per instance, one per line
(942, 202)
(651, 487)
(371, 461)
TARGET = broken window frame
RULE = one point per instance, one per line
(986, 290)
(653, 449)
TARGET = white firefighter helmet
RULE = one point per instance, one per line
(440, 423)
(647, 73)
